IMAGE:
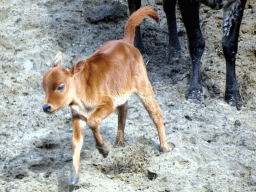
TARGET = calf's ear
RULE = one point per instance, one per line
(77, 68)
(57, 61)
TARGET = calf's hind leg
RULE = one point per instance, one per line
(147, 97)
(122, 114)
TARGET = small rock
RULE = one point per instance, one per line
(188, 117)
(239, 105)
(237, 123)
(47, 174)
(5, 166)
(18, 20)
(28, 65)
(170, 104)
(151, 175)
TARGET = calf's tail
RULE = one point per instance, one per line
(135, 19)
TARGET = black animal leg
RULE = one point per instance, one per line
(190, 14)
(174, 44)
(133, 6)
(232, 17)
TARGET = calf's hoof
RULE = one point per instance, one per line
(119, 143)
(164, 149)
(103, 150)
(74, 177)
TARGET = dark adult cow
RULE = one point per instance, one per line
(232, 16)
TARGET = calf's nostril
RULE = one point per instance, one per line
(47, 108)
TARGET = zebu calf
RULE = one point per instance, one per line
(97, 86)
(232, 16)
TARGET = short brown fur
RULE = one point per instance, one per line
(95, 87)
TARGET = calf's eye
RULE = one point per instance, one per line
(61, 88)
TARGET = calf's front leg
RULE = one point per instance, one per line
(101, 112)
(77, 146)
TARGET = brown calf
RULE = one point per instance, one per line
(95, 87)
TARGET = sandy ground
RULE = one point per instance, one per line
(213, 144)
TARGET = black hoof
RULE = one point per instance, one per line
(234, 98)
(195, 95)
(74, 177)
(103, 150)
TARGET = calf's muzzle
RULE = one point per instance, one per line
(47, 108)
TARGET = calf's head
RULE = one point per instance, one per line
(58, 84)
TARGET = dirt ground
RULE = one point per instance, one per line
(213, 144)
